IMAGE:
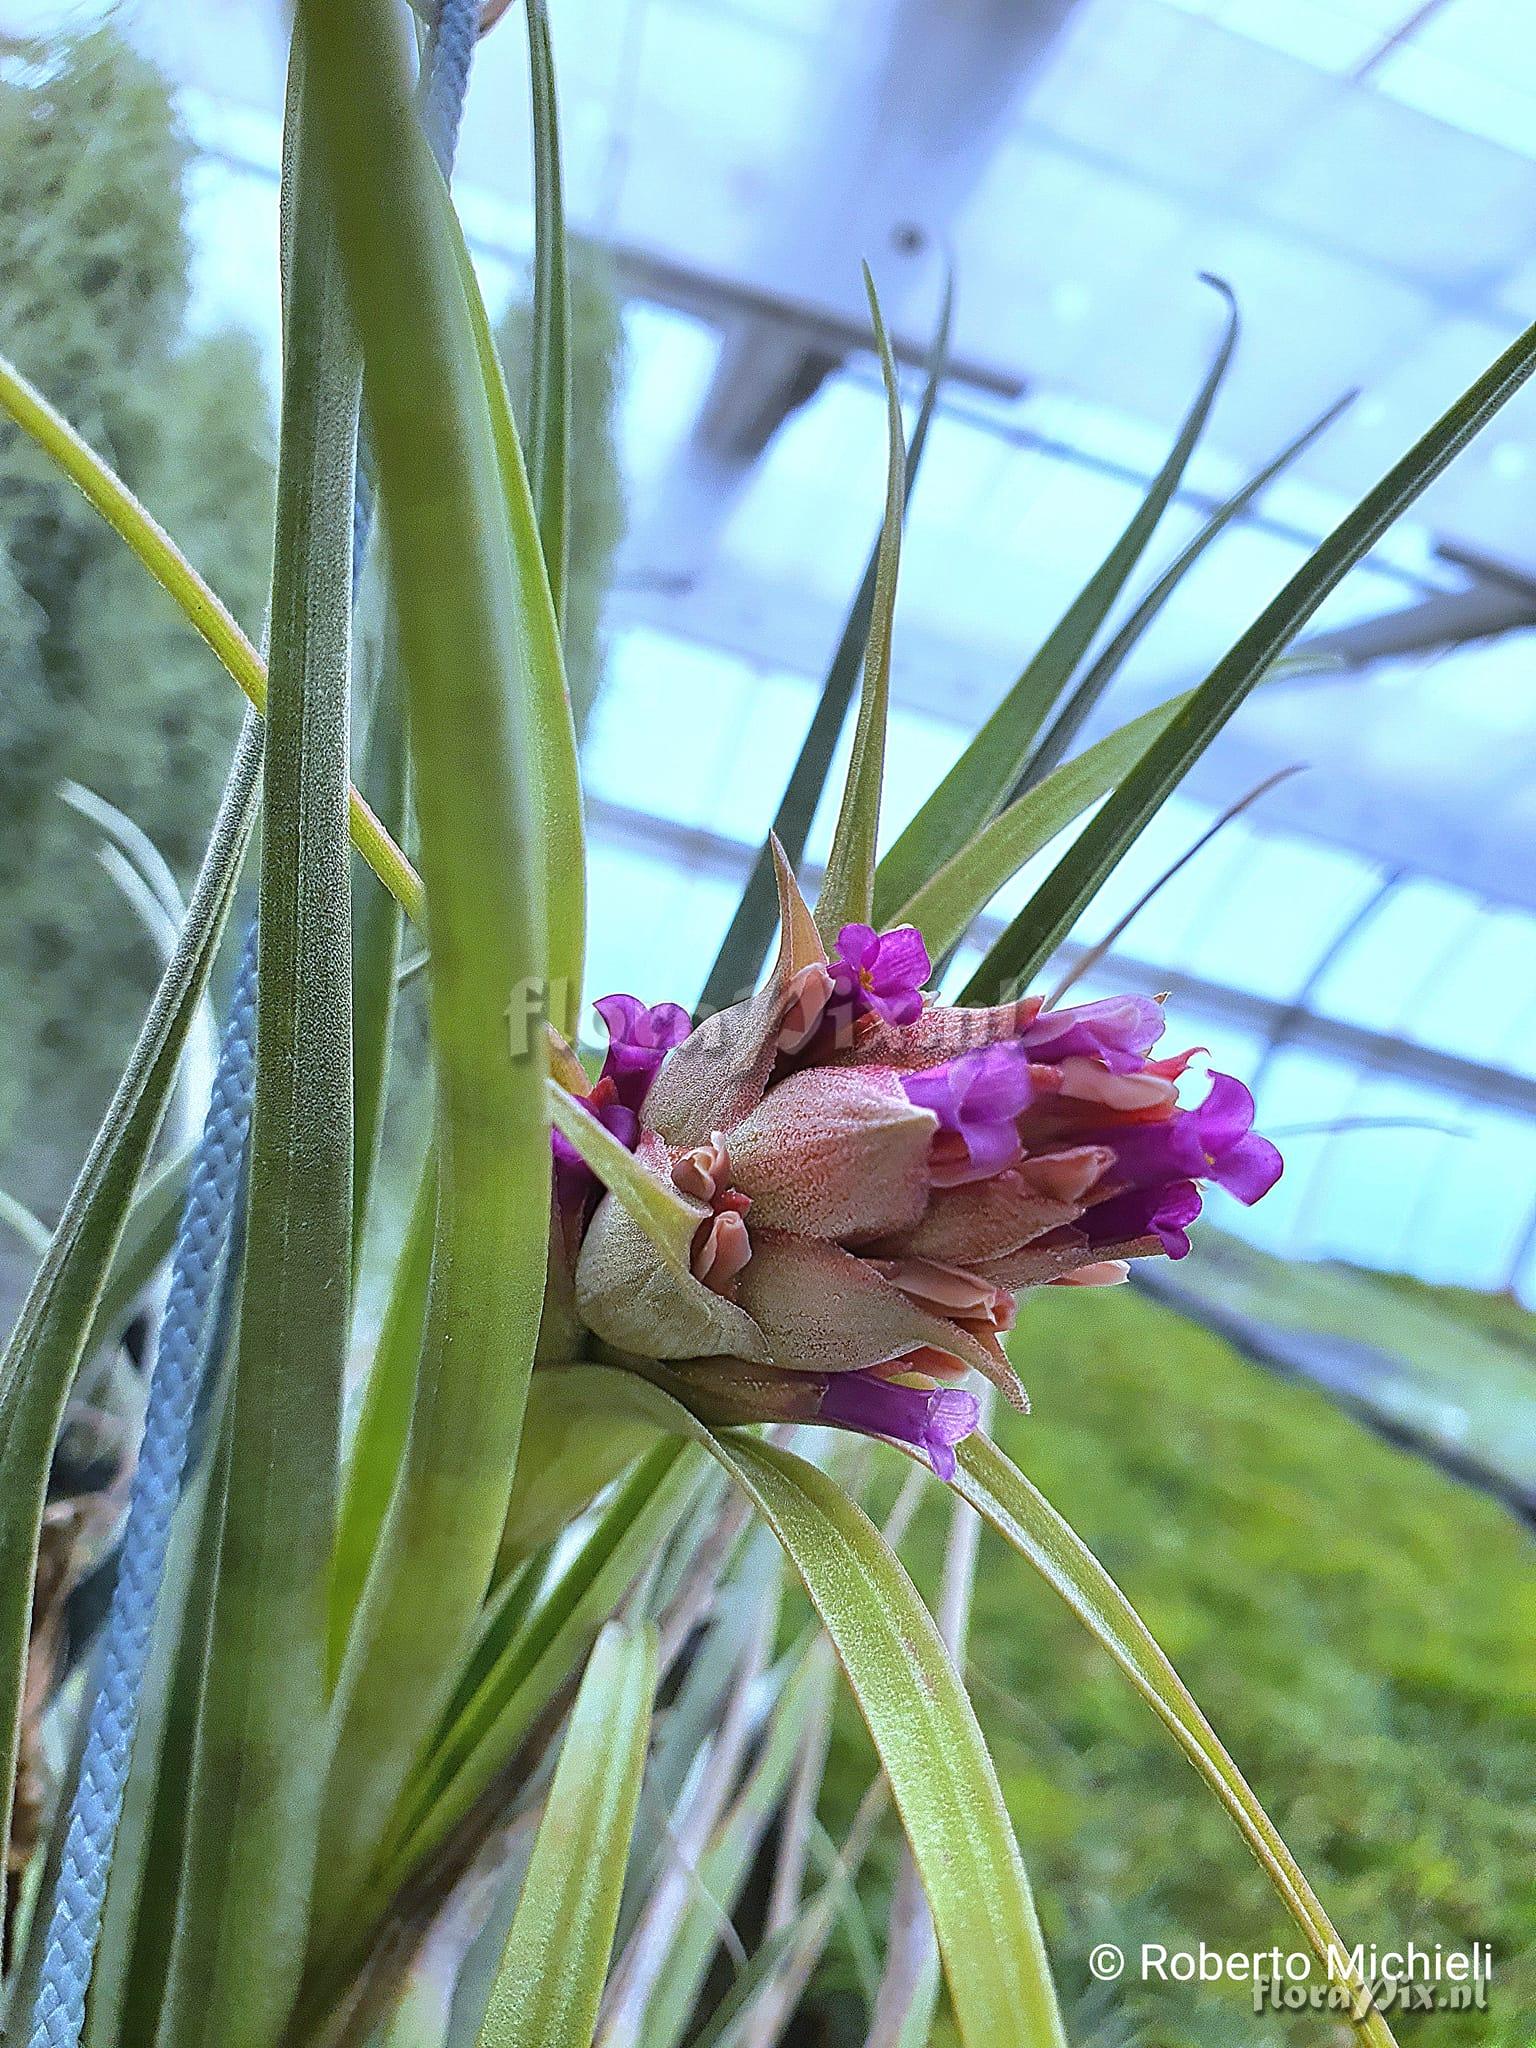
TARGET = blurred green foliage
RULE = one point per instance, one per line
(1357, 1628)
(103, 682)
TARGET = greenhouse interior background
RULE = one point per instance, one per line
(1363, 174)
(1347, 909)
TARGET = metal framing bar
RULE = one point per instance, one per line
(693, 848)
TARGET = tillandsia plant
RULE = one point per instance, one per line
(417, 1658)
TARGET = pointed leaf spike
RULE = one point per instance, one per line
(799, 940)
(847, 890)
(666, 1217)
(1074, 714)
(549, 385)
(746, 940)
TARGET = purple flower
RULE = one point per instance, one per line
(1164, 1212)
(932, 1419)
(1236, 1157)
(1156, 1163)
(575, 1181)
(977, 1099)
(880, 971)
(639, 1039)
(1120, 1031)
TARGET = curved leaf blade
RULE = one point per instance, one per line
(991, 765)
(549, 382)
(1024, 1518)
(452, 559)
(1057, 903)
(751, 927)
(944, 907)
(254, 1812)
(920, 1719)
(556, 1959)
(847, 887)
(203, 609)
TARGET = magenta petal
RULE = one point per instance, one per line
(859, 945)
(995, 1082)
(1164, 1212)
(1225, 1115)
(901, 964)
(1146, 1154)
(979, 1098)
(639, 1039)
(931, 1420)
(953, 1415)
(575, 1182)
(1119, 1030)
(933, 1088)
(1249, 1169)
(991, 1148)
(904, 1007)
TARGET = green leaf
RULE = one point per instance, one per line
(17, 1217)
(1074, 713)
(848, 884)
(944, 907)
(376, 927)
(1023, 1517)
(665, 1217)
(726, 1864)
(556, 1959)
(1056, 905)
(556, 776)
(470, 685)
(253, 1820)
(44, 1351)
(920, 1718)
(378, 1448)
(751, 928)
(549, 380)
(991, 765)
(149, 1231)
(518, 1667)
(204, 610)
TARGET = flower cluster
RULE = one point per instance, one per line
(871, 1178)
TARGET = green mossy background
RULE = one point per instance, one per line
(1358, 1628)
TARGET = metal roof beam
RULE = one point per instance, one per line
(712, 853)
(898, 151)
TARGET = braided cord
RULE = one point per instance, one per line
(191, 1337)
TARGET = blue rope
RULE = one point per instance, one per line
(191, 1338)
(173, 1392)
